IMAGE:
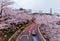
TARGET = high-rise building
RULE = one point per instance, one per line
(3, 0)
(50, 10)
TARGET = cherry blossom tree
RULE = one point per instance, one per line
(10, 16)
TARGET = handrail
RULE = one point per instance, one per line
(41, 34)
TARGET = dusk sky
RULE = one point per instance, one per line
(37, 5)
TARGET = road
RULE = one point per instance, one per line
(27, 36)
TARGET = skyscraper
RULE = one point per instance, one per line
(50, 10)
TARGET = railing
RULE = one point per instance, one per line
(43, 39)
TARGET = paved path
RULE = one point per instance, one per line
(27, 36)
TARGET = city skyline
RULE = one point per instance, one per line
(37, 5)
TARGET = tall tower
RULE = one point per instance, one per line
(50, 10)
(4, 0)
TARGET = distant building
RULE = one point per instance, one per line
(50, 10)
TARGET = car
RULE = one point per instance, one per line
(34, 33)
